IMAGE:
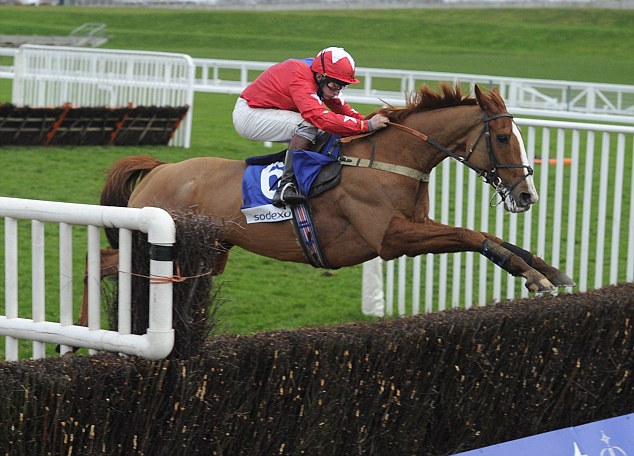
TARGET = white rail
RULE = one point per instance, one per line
(585, 179)
(543, 97)
(159, 226)
(595, 102)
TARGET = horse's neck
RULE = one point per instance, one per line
(448, 127)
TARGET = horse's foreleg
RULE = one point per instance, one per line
(555, 276)
(404, 237)
(109, 266)
(515, 265)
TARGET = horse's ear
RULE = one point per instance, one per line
(497, 98)
(484, 100)
(478, 92)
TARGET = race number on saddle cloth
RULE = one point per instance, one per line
(260, 180)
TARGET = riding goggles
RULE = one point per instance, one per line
(335, 85)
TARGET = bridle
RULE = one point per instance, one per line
(490, 176)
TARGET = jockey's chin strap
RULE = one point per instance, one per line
(491, 176)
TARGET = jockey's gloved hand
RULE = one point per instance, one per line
(377, 121)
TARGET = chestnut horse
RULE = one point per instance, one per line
(372, 212)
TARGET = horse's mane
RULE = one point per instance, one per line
(426, 99)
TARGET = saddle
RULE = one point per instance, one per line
(329, 175)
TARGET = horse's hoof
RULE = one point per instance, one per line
(540, 285)
(562, 280)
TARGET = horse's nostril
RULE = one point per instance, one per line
(526, 198)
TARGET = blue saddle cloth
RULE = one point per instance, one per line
(261, 177)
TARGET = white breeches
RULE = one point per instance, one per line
(275, 125)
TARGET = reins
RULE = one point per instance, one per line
(440, 147)
(491, 176)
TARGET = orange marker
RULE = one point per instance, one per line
(553, 161)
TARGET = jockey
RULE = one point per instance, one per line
(293, 101)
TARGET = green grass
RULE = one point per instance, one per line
(573, 44)
(262, 294)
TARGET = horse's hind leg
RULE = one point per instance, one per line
(109, 266)
(219, 261)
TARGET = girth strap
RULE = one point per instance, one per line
(397, 169)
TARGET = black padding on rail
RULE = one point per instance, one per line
(161, 252)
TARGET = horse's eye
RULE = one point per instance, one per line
(503, 138)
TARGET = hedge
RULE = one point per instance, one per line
(433, 384)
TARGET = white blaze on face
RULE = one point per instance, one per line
(529, 180)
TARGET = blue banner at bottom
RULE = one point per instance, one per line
(611, 437)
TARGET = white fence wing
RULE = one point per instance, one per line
(159, 226)
(54, 75)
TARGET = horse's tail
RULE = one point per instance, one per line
(121, 180)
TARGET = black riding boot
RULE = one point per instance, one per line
(287, 193)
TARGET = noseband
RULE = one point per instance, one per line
(491, 176)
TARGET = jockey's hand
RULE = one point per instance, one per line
(378, 121)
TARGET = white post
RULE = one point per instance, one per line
(65, 278)
(38, 282)
(124, 325)
(373, 297)
(11, 282)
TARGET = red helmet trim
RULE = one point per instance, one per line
(319, 66)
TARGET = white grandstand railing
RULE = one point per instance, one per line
(18, 323)
(596, 102)
(585, 180)
(543, 97)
